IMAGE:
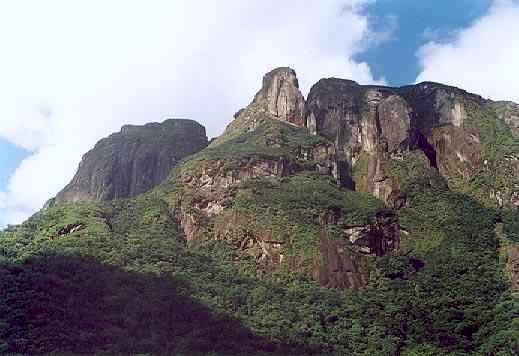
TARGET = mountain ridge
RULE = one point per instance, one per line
(361, 220)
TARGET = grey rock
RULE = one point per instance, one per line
(281, 96)
(437, 105)
(133, 161)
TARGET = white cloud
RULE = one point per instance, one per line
(74, 71)
(482, 58)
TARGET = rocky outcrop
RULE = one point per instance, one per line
(133, 161)
(357, 118)
(219, 175)
(509, 112)
(374, 125)
(340, 266)
(213, 184)
(382, 235)
(266, 248)
(345, 262)
(458, 151)
(437, 105)
(281, 96)
(394, 123)
(366, 122)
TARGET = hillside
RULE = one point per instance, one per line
(360, 220)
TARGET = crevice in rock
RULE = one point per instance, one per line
(70, 228)
(419, 141)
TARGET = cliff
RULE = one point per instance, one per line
(133, 161)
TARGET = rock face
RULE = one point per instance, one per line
(509, 112)
(345, 263)
(280, 93)
(366, 122)
(437, 105)
(372, 125)
(340, 265)
(394, 123)
(133, 161)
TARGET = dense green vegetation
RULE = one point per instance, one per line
(291, 210)
(127, 283)
(118, 277)
(496, 173)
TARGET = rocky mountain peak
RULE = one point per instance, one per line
(437, 104)
(133, 160)
(281, 96)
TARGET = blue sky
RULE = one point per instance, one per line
(66, 84)
(12, 156)
(418, 21)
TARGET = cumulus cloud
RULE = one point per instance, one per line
(75, 71)
(482, 58)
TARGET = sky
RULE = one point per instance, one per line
(74, 72)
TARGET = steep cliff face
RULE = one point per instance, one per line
(281, 96)
(133, 161)
(437, 105)
(347, 262)
(366, 123)
(463, 135)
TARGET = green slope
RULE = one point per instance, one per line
(127, 282)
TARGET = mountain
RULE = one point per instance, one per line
(360, 220)
(133, 161)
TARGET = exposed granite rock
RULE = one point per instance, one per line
(340, 265)
(70, 229)
(345, 263)
(133, 161)
(364, 121)
(458, 151)
(509, 112)
(333, 110)
(436, 104)
(266, 248)
(373, 125)
(383, 235)
(394, 122)
(281, 96)
(217, 175)
(213, 183)
(340, 262)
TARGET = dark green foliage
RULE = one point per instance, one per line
(511, 224)
(494, 133)
(137, 279)
(454, 295)
(77, 305)
(408, 171)
(501, 336)
(127, 283)
(305, 196)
